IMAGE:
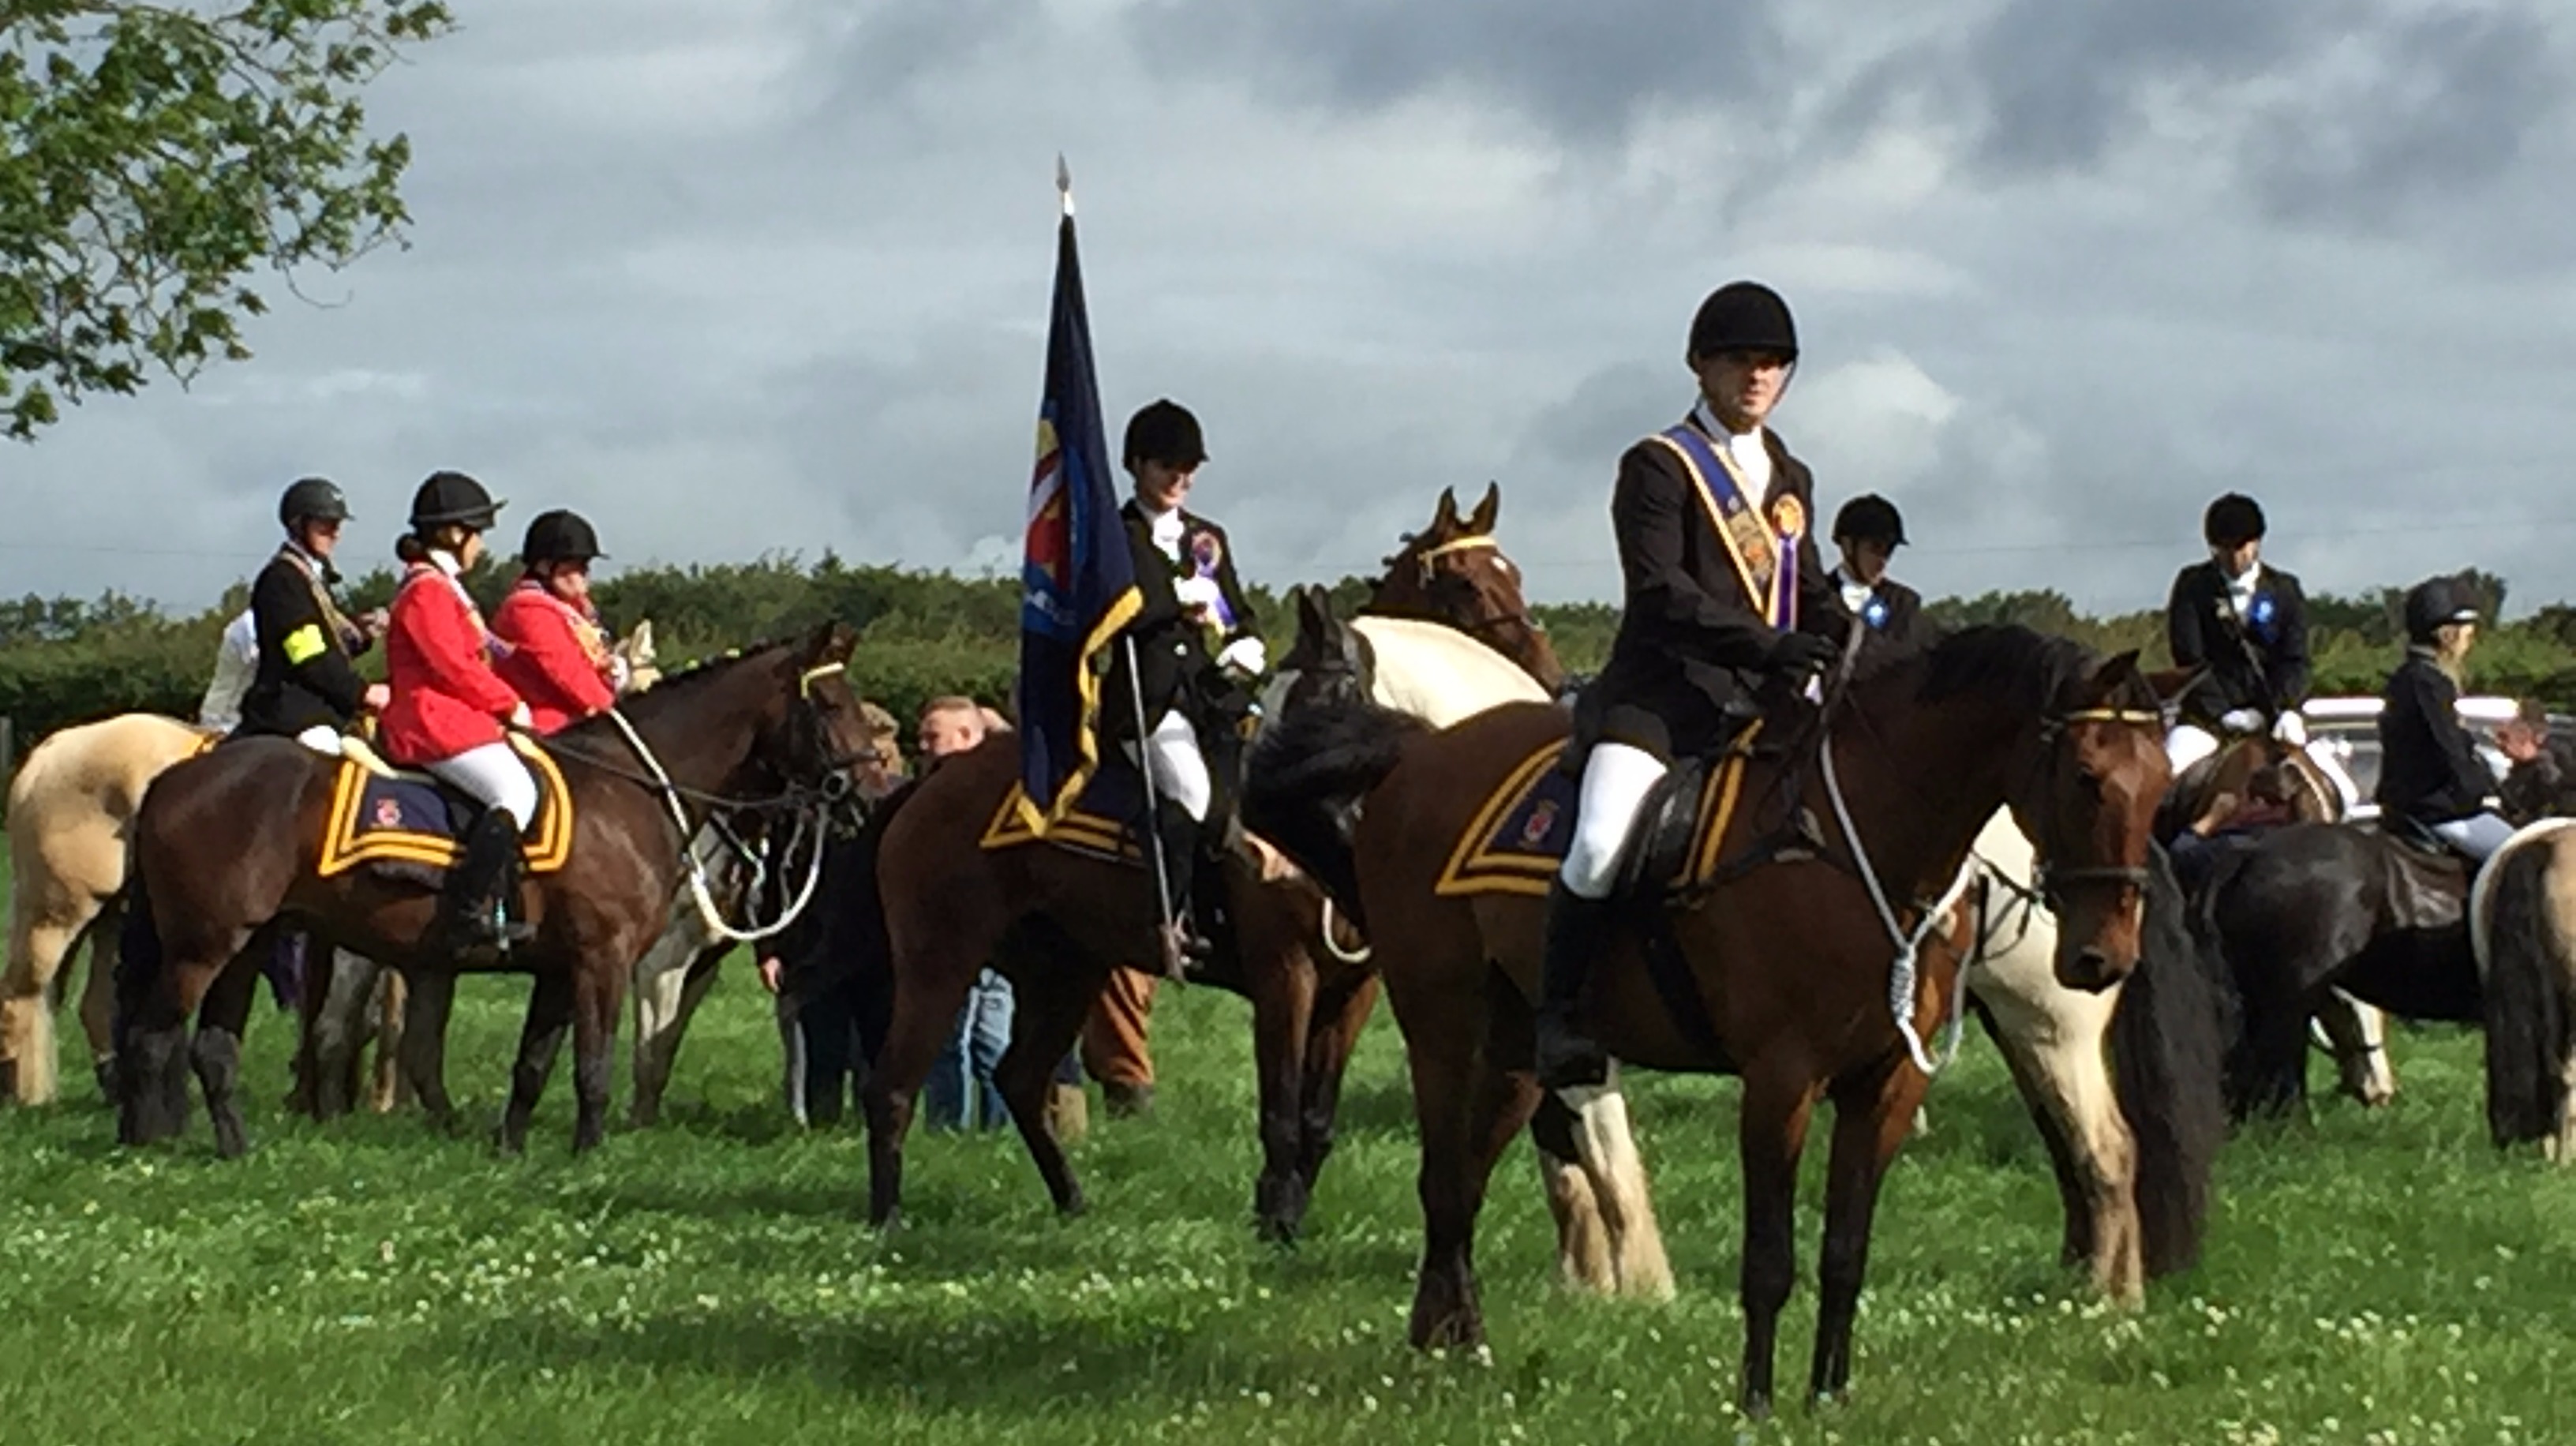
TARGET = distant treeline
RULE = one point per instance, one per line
(63, 660)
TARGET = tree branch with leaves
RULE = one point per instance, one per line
(154, 158)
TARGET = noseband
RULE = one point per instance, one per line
(2052, 880)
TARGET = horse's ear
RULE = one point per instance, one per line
(1445, 520)
(1482, 523)
(2116, 674)
(1314, 611)
(830, 643)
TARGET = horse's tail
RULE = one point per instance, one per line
(2168, 1048)
(1307, 776)
(2527, 1009)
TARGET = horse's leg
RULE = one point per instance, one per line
(1340, 1012)
(1606, 1149)
(388, 1090)
(40, 941)
(661, 1001)
(1048, 1003)
(216, 1050)
(1470, 1106)
(335, 1005)
(1771, 1130)
(598, 993)
(1282, 987)
(98, 994)
(931, 988)
(432, 994)
(1872, 1114)
(2052, 1044)
(550, 1013)
(1583, 1261)
(2359, 1034)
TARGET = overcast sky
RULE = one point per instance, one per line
(735, 276)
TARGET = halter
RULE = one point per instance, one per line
(2049, 878)
(1473, 542)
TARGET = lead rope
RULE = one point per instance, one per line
(697, 873)
(1903, 976)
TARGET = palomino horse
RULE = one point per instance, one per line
(2132, 1148)
(70, 809)
(2253, 784)
(772, 731)
(1786, 947)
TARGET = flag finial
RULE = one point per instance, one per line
(1064, 182)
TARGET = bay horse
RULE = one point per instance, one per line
(2123, 1085)
(226, 846)
(1455, 573)
(1788, 959)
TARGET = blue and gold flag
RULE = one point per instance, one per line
(1078, 582)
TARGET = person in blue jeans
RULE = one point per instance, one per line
(974, 1049)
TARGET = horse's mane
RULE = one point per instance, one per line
(2005, 661)
(678, 687)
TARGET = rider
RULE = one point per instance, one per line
(304, 685)
(449, 704)
(557, 655)
(2430, 773)
(1193, 608)
(1708, 516)
(236, 663)
(2246, 625)
(1867, 531)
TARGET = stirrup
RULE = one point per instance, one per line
(1180, 948)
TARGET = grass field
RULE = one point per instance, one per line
(2382, 1278)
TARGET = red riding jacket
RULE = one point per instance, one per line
(557, 659)
(438, 663)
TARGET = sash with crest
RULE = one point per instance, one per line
(1763, 548)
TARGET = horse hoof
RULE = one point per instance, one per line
(1072, 1206)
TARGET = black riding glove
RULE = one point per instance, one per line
(1797, 654)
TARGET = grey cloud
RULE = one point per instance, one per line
(1583, 71)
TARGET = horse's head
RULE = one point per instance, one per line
(637, 649)
(1328, 663)
(822, 739)
(1454, 572)
(2090, 809)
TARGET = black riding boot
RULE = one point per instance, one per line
(485, 878)
(1178, 835)
(1576, 930)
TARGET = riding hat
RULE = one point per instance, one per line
(1870, 518)
(316, 498)
(560, 536)
(2434, 604)
(2232, 521)
(1743, 316)
(1165, 432)
(453, 497)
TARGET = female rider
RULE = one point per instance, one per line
(449, 705)
(558, 657)
(1724, 590)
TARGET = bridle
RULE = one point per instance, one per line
(1484, 625)
(2049, 879)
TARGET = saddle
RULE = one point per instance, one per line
(404, 824)
(2428, 880)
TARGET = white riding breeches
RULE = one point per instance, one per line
(1178, 770)
(2478, 835)
(2189, 743)
(494, 776)
(1616, 780)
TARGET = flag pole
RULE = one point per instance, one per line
(1153, 805)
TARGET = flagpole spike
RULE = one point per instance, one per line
(1064, 182)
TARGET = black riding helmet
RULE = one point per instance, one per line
(1165, 432)
(316, 499)
(2435, 603)
(1870, 518)
(1743, 316)
(559, 536)
(2232, 521)
(453, 498)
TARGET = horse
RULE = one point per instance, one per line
(2254, 783)
(1454, 573)
(1373, 805)
(226, 851)
(2523, 935)
(2132, 1148)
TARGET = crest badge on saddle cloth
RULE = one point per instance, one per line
(405, 824)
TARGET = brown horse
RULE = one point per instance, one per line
(226, 849)
(1786, 944)
(1454, 572)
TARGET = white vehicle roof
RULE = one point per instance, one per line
(2482, 709)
